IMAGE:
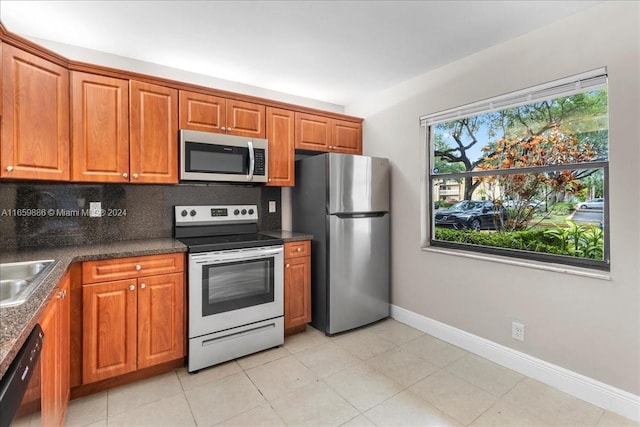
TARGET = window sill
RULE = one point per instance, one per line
(556, 268)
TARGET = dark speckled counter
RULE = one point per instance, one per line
(16, 322)
(288, 236)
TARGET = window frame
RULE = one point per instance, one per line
(474, 109)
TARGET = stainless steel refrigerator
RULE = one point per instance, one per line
(343, 200)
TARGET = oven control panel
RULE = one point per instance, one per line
(215, 214)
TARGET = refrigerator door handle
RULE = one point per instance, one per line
(361, 215)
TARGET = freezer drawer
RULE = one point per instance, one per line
(358, 270)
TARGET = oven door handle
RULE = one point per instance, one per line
(252, 161)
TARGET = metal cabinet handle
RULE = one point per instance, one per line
(229, 129)
(142, 286)
(125, 175)
(132, 287)
(223, 128)
(299, 249)
(135, 176)
(138, 267)
(9, 168)
(288, 265)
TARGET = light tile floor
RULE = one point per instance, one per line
(387, 374)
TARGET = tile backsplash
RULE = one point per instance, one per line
(55, 214)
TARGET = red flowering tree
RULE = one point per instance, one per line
(518, 191)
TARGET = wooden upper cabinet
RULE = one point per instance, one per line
(245, 119)
(347, 137)
(153, 133)
(281, 136)
(99, 128)
(312, 132)
(206, 113)
(35, 121)
(320, 133)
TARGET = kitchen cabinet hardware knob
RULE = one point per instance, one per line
(223, 128)
(288, 265)
(142, 286)
(299, 249)
(61, 294)
(9, 168)
(138, 267)
(132, 287)
(125, 175)
(229, 129)
(135, 176)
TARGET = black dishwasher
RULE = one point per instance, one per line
(15, 381)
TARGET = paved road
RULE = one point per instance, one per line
(588, 215)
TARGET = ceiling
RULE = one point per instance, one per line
(332, 51)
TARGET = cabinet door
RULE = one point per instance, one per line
(54, 364)
(281, 136)
(64, 341)
(35, 121)
(109, 329)
(313, 132)
(49, 372)
(245, 119)
(206, 113)
(100, 128)
(153, 133)
(347, 137)
(297, 292)
(160, 319)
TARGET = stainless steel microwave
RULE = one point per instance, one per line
(207, 156)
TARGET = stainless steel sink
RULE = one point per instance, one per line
(18, 280)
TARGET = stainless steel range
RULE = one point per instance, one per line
(236, 282)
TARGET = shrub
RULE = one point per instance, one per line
(579, 241)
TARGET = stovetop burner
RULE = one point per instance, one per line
(218, 228)
(236, 241)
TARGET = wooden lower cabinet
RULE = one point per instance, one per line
(131, 324)
(54, 359)
(297, 286)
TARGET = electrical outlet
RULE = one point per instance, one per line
(95, 209)
(272, 206)
(517, 331)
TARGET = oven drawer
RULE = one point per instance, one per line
(211, 349)
(107, 270)
(297, 249)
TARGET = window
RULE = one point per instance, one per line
(525, 174)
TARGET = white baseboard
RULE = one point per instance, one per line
(580, 386)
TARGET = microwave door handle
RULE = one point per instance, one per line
(252, 161)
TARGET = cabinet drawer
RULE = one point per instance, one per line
(297, 249)
(127, 268)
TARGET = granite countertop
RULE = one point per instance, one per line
(288, 236)
(16, 322)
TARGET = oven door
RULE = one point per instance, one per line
(235, 287)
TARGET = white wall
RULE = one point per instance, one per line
(137, 66)
(587, 325)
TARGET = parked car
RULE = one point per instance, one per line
(597, 203)
(471, 214)
(533, 203)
